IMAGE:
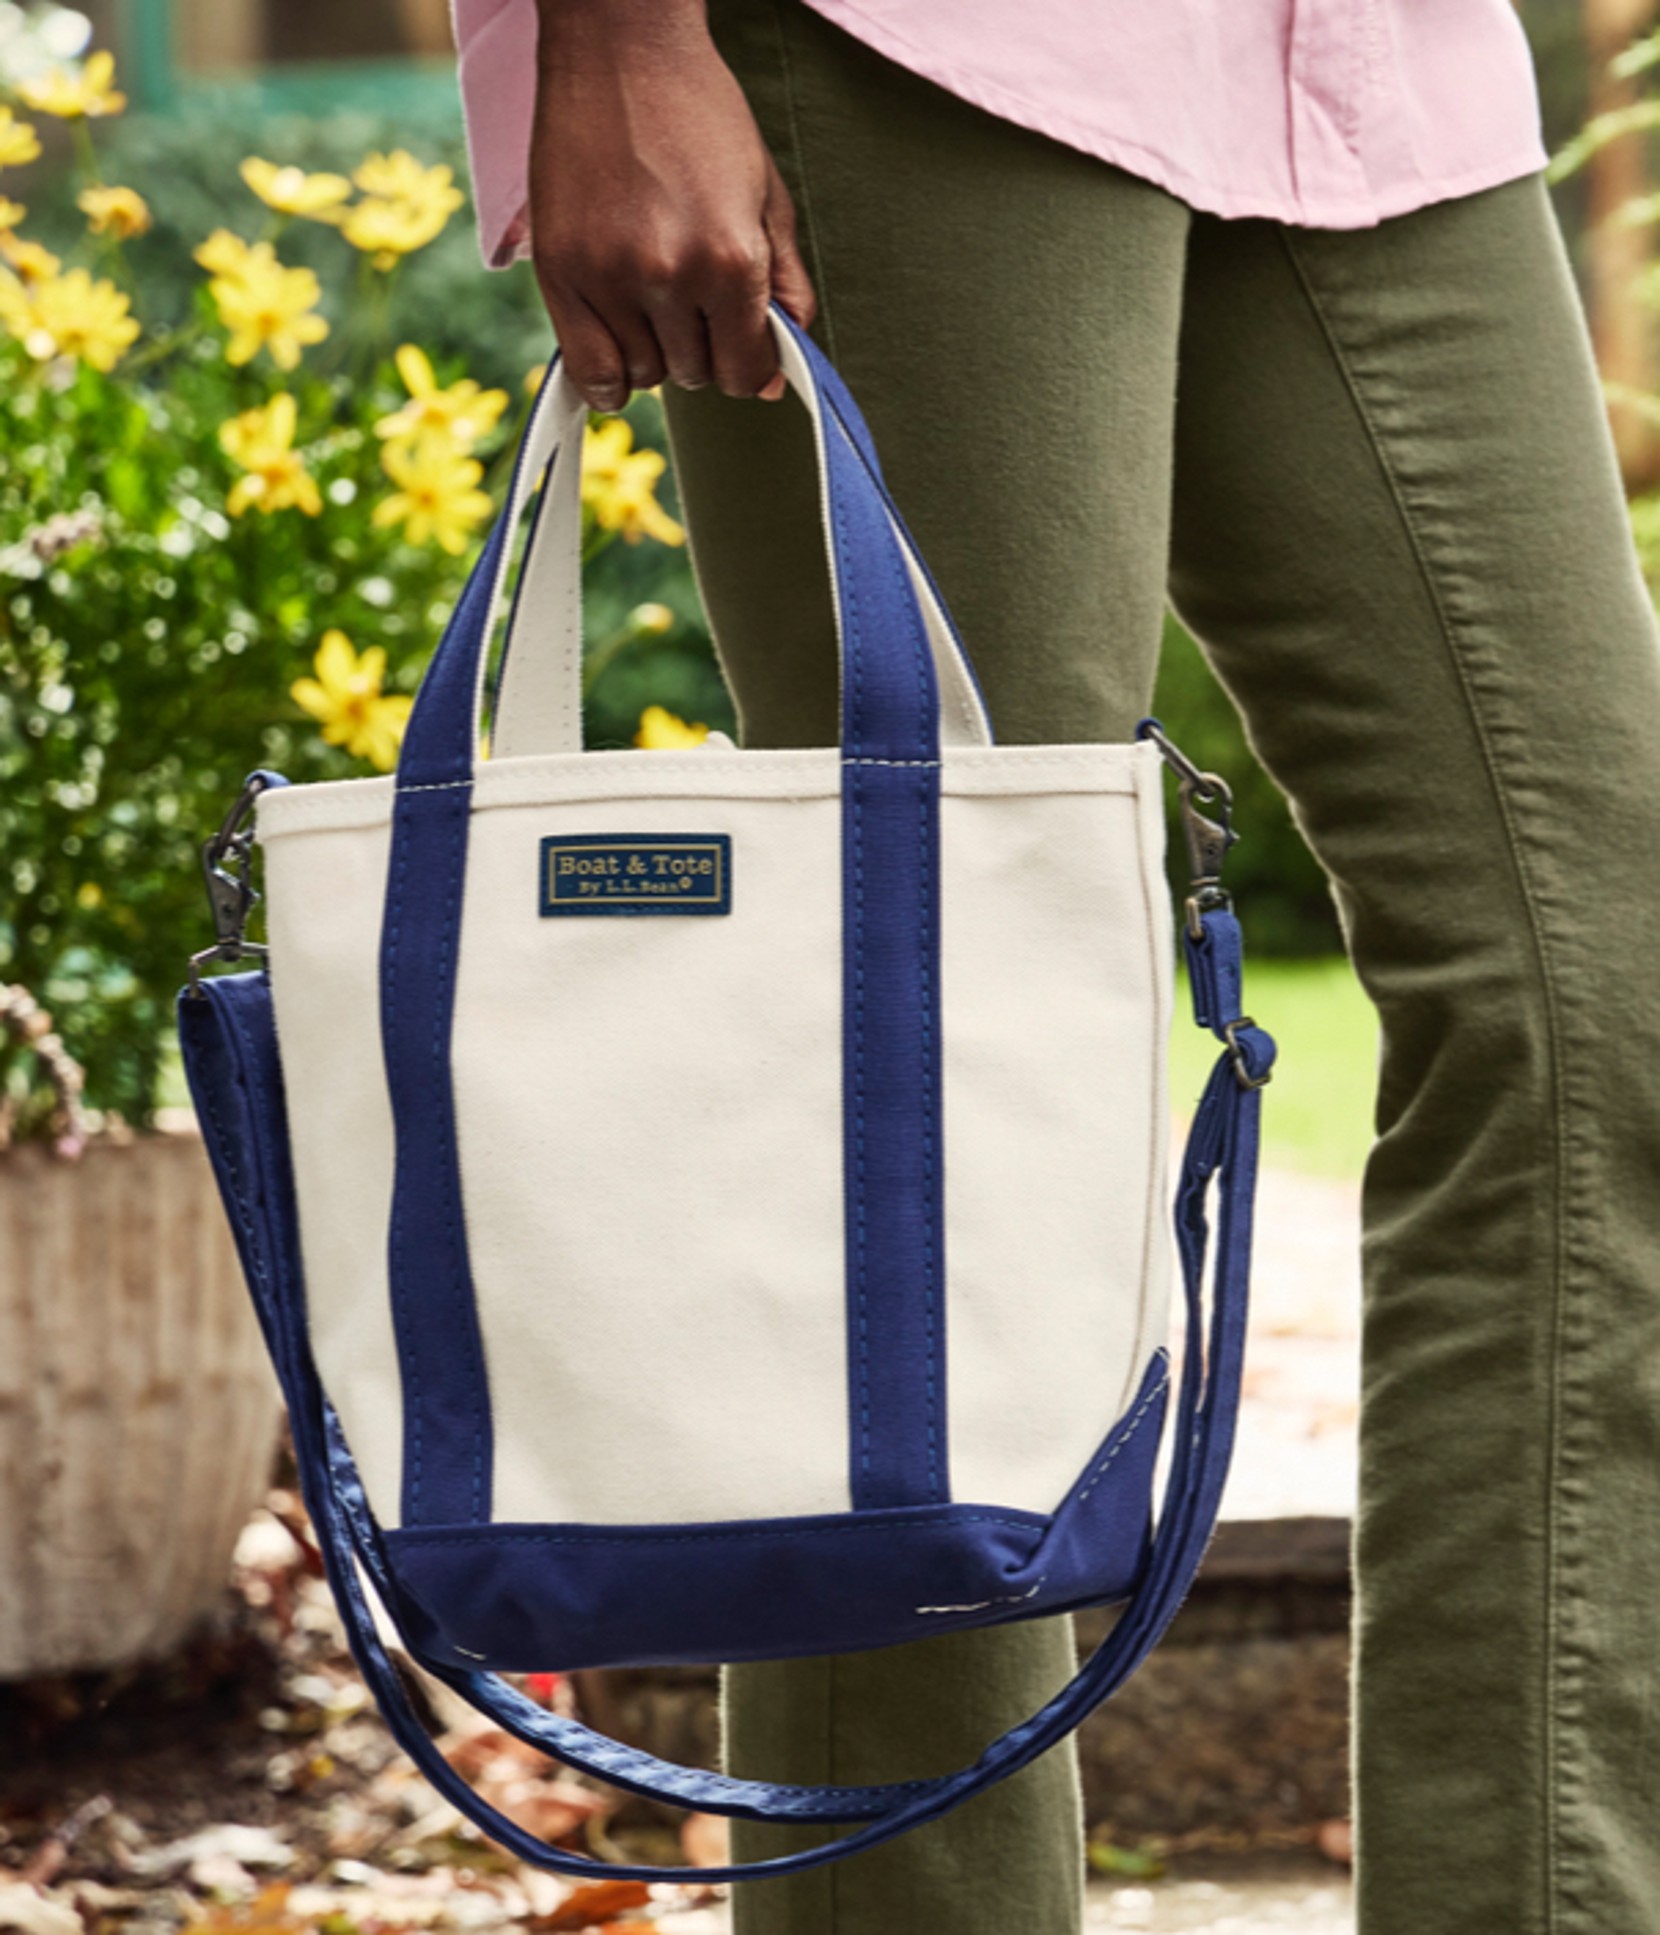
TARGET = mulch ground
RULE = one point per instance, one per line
(246, 1787)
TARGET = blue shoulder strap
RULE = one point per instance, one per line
(235, 1078)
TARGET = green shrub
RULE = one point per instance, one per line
(171, 564)
(186, 166)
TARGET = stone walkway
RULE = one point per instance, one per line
(1295, 1454)
(1256, 1896)
(1247, 1895)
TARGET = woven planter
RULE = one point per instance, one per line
(138, 1413)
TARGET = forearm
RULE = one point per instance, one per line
(660, 226)
(583, 32)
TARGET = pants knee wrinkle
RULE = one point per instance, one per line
(1361, 321)
(1480, 672)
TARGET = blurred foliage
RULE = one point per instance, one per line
(1640, 63)
(1283, 898)
(172, 560)
(186, 164)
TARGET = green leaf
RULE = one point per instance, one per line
(1598, 132)
(1129, 1864)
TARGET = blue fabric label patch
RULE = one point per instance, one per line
(637, 873)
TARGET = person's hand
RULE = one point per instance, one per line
(659, 224)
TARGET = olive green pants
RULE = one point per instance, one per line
(1370, 470)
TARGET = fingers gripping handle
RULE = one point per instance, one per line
(539, 707)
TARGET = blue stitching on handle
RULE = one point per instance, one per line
(930, 1184)
(408, 1359)
(926, 726)
(853, 829)
(853, 671)
(441, 1075)
(862, 1263)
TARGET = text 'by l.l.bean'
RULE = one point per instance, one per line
(636, 873)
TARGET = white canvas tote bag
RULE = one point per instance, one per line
(712, 1205)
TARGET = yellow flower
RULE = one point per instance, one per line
(71, 92)
(650, 620)
(224, 253)
(438, 498)
(263, 304)
(463, 412)
(387, 231)
(28, 259)
(69, 315)
(261, 441)
(661, 731)
(346, 699)
(619, 484)
(405, 204)
(18, 141)
(399, 177)
(15, 308)
(11, 213)
(533, 378)
(120, 212)
(291, 191)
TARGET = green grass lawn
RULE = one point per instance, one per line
(1317, 1111)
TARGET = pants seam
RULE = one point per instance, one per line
(1556, 1561)
(798, 151)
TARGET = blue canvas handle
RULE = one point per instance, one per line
(895, 639)
(890, 690)
(235, 1076)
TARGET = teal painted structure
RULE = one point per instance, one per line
(423, 91)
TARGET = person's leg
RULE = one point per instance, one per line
(1399, 532)
(1005, 312)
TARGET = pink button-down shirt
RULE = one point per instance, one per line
(1327, 113)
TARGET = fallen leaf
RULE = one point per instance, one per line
(46, 1863)
(218, 1874)
(93, 1899)
(1336, 1841)
(551, 1810)
(471, 1754)
(267, 1914)
(707, 1840)
(250, 1847)
(592, 1903)
(32, 1911)
(1139, 1864)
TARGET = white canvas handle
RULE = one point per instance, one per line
(539, 702)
